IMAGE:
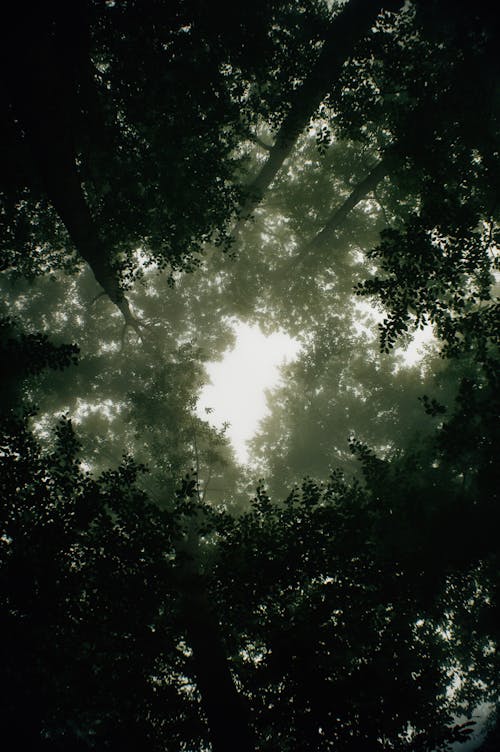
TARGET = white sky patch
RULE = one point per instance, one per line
(416, 349)
(236, 393)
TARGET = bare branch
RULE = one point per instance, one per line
(197, 460)
(122, 338)
(360, 192)
(382, 207)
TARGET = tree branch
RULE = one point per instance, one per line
(197, 460)
(360, 192)
(257, 140)
(206, 484)
(130, 321)
(96, 297)
(345, 29)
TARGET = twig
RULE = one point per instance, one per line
(382, 207)
(130, 320)
(197, 460)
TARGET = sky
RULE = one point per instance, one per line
(236, 392)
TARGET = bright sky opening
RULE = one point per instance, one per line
(416, 349)
(236, 393)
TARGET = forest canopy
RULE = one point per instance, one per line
(325, 169)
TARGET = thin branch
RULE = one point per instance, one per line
(257, 140)
(205, 487)
(382, 207)
(360, 192)
(130, 321)
(122, 338)
(197, 460)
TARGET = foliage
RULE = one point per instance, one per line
(152, 105)
(87, 584)
(343, 580)
(25, 355)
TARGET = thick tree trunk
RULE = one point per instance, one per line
(43, 95)
(225, 709)
(350, 25)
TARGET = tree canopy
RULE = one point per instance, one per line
(330, 170)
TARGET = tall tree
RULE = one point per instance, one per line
(94, 133)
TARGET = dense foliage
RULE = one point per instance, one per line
(330, 170)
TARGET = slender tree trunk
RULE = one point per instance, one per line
(346, 28)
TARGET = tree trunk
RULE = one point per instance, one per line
(225, 709)
(43, 98)
(345, 29)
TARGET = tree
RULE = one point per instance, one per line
(95, 136)
(304, 586)
(343, 580)
(98, 590)
(340, 387)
